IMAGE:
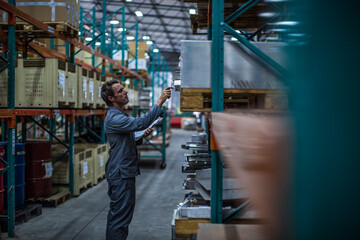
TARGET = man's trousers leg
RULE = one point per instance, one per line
(122, 203)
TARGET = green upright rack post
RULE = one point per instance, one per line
(93, 35)
(71, 154)
(153, 78)
(163, 153)
(123, 43)
(11, 134)
(103, 37)
(217, 85)
(3, 130)
(111, 46)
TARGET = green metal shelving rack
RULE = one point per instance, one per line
(8, 117)
(217, 27)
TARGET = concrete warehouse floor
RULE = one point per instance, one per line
(84, 217)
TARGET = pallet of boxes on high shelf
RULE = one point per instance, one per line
(62, 15)
(249, 82)
(42, 83)
(83, 167)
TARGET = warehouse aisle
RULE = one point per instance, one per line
(84, 217)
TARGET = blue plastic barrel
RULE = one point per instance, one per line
(19, 174)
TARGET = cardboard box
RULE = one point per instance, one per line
(64, 10)
(142, 48)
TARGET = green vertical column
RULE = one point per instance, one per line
(81, 23)
(123, 43)
(67, 49)
(217, 85)
(153, 78)
(158, 66)
(134, 112)
(103, 36)
(52, 45)
(326, 168)
(163, 73)
(136, 53)
(164, 136)
(71, 155)
(11, 134)
(66, 129)
(136, 47)
(83, 124)
(54, 126)
(3, 130)
(111, 47)
(34, 127)
(93, 35)
(93, 122)
(51, 128)
(11, 179)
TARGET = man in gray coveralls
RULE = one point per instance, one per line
(122, 166)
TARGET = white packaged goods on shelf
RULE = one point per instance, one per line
(100, 156)
(117, 55)
(141, 64)
(42, 83)
(83, 167)
(241, 69)
(72, 82)
(82, 95)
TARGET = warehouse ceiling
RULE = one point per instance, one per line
(166, 22)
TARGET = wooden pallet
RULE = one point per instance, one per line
(200, 99)
(23, 29)
(52, 201)
(22, 215)
(86, 186)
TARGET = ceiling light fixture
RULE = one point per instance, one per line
(156, 50)
(97, 43)
(130, 38)
(88, 39)
(121, 29)
(114, 21)
(267, 14)
(149, 42)
(287, 23)
(192, 11)
(138, 13)
(146, 38)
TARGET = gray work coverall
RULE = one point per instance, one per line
(122, 167)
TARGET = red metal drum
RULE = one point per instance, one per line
(38, 172)
(2, 190)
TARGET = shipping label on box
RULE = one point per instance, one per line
(101, 161)
(85, 168)
(62, 82)
(91, 89)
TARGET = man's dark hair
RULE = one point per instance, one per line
(106, 90)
